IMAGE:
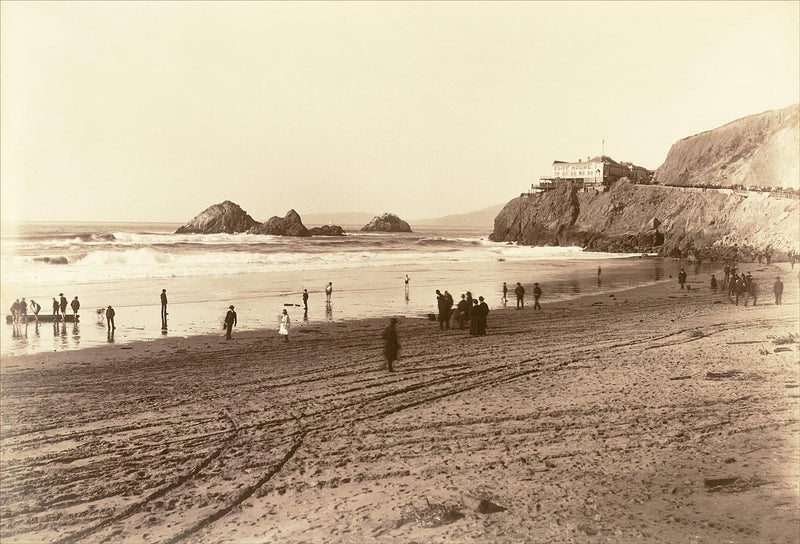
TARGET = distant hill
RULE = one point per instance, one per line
(761, 150)
(480, 218)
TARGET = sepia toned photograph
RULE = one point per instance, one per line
(400, 272)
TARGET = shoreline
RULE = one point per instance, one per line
(649, 415)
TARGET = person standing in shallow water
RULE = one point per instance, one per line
(63, 306)
(505, 293)
(391, 345)
(55, 306)
(328, 292)
(286, 323)
(305, 300)
(163, 307)
(75, 307)
(230, 321)
(110, 313)
(35, 307)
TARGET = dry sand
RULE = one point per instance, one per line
(655, 415)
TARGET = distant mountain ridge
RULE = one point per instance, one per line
(478, 218)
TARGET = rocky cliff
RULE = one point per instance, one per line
(676, 222)
(757, 151)
(388, 222)
(226, 217)
(289, 225)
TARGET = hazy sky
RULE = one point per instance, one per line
(152, 111)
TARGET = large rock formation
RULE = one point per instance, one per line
(757, 151)
(225, 217)
(677, 222)
(388, 222)
(289, 225)
(327, 230)
(715, 223)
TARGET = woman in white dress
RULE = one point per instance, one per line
(286, 323)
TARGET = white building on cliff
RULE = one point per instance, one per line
(597, 173)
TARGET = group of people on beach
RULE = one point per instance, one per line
(19, 309)
(468, 310)
(738, 285)
(519, 291)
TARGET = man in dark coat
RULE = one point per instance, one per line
(444, 310)
(474, 318)
(391, 345)
(462, 311)
(305, 300)
(682, 278)
(537, 293)
(63, 305)
(163, 307)
(75, 307)
(777, 288)
(519, 290)
(110, 318)
(230, 321)
(483, 313)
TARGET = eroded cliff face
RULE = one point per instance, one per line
(676, 222)
(760, 150)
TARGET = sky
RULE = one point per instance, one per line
(153, 111)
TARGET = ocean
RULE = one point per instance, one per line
(126, 265)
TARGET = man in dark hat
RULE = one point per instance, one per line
(230, 321)
(391, 346)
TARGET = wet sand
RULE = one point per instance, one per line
(649, 415)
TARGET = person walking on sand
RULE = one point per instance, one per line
(505, 293)
(230, 321)
(519, 290)
(682, 278)
(328, 292)
(752, 289)
(407, 287)
(286, 323)
(110, 313)
(75, 305)
(474, 318)
(63, 306)
(391, 345)
(305, 300)
(537, 294)
(777, 289)
(163, 307)
(714, 284)
(35, 308)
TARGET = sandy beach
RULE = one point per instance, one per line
(648, 415)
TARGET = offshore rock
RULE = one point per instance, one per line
(388, 222)
(226, 217)
(289, 225)
(327, 230)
